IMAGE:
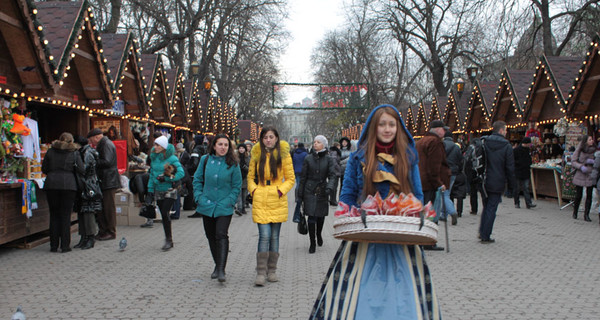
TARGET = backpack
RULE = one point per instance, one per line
(475, 161)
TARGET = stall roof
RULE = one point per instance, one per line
(456, 109)
(584, 98)
(122, 54)
(177, 101)
(193, 104)
(546, 98)
(510, 96)
(478, 112)
(156, 90)
(75, 45)
(438, 108)
(407, 115)
(24, 52)
(422, 124)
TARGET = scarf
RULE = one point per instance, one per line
(381, 147)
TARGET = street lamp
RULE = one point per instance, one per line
(194, 69)
(207, 83)
(472, 73)
(460, 86)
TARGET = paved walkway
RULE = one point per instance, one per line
(544, 265)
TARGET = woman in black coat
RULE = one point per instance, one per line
(59, 165)
(316, 182)
(89, 197)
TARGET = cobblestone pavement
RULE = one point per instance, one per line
(542, 266)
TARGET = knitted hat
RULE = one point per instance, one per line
(179, 146)
(162, 141)
(322, 140)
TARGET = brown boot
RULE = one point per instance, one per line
(272, 267)
(261, 268)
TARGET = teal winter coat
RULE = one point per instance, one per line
(157, 168)
(217, 189)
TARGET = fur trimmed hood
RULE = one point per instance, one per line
(67, 146)
(283, 146)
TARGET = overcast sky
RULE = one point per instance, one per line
(308, 21)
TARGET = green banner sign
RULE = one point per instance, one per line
(319, 96)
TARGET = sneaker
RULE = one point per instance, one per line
(238, 212)
(148, 224)
(531, 205)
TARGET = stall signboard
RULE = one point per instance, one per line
(574, 132)
(320, 96)
(119, 107)
(104, 124)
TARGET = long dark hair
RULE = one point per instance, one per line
(230, 157)
(274, 162)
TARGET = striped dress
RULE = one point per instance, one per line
(377, 281)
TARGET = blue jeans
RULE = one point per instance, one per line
(490, 206)
(448, 203)
(177, 207)
(522, 185)
(268, 237)
(241, 201)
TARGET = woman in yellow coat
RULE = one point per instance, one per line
(270, 178)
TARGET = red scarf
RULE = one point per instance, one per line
(381, 147)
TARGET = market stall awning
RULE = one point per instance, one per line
(24, 54)
(123, 60)
(156, 88)
(584, 99)
(546, 100)
(478, 111)
(510, 96)
(76, 48)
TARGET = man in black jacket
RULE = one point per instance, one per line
(522, 172)
(110, 181)
(500, 167)
(454, 158)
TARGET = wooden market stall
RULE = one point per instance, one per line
(478, 110)
(178, 105)
(128, 91)
(422, 123)
(408, 117)
(438, 108)
(545, 105)
(509, 100)
(194, 110)
(584, 99)
(25, 74)
(456, 110)
(156, 95)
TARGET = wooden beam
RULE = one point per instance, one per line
(83, 54)
(10, 20)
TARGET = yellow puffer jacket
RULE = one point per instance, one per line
(267, 206)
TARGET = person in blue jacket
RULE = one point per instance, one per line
(217, 184)
(160, 186)
(374, 280)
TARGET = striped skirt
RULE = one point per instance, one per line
(377, 281)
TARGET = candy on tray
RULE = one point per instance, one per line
(342, 210)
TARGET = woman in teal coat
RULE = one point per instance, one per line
(217, 184)
(160, 186)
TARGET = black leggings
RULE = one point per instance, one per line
(216, 228)
(165, 206)
(579, 195)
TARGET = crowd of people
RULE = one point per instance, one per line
(218, 178)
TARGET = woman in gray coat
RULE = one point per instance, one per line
(316, 182)
(583, 161)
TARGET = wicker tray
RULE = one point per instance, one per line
(386, 229)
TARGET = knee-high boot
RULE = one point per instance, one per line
(222, 252)
(320, 223)
(261, 268)
(311, 236)
(272, 266)
(168, 235)
(213, 250)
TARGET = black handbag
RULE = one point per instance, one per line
(302, 226)
(148, 211)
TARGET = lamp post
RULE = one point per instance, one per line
(195, 69)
